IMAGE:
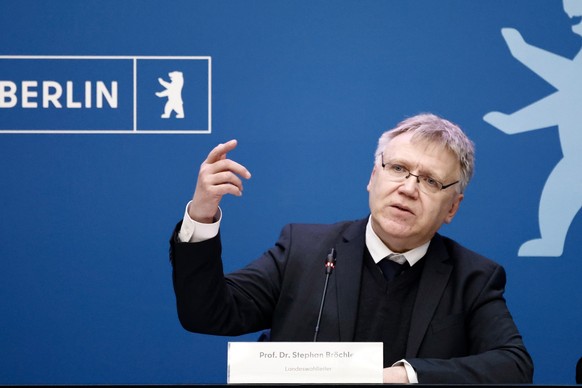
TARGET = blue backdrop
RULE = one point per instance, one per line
(306, 87)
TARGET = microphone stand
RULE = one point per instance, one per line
(329, 267)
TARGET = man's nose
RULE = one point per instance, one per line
(411, 184)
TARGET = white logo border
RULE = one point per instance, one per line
(134, 58)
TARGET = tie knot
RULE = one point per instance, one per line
(396, 257)
(392, 265)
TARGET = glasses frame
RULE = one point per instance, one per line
(440, 184)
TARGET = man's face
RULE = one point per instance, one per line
(403, 216)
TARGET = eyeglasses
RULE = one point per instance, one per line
(399, 173)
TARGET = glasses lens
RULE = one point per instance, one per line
(398, 173)
(429, 185)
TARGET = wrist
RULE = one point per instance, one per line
(208, 217)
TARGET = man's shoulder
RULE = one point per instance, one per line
(463, 256)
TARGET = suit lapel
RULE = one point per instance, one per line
(348, 271)
(432, 284)
(350, 253)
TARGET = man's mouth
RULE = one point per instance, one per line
(577, 19)
(402, 208)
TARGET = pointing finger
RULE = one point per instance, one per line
(219, 152)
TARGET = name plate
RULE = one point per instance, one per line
(305, 362)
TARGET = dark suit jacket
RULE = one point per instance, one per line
(461, 330)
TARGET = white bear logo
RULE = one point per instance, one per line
(174, 93)
(561, 197)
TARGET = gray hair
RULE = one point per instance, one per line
(439, 131)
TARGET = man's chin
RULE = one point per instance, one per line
(395, 231)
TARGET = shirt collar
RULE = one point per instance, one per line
(378, 250)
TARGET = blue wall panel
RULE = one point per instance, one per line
(306, 87)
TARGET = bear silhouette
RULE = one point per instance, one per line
(174, 93)
(561, 197)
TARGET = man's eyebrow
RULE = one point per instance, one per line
(423, 171)
(431, 174)
(395, 161)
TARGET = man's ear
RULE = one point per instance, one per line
(372, 176)
(454, 208)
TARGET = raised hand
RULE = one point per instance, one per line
(217, 177)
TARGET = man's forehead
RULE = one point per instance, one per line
(418, 152)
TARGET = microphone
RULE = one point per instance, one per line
(329, 267)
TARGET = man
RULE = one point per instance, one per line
(443, 319)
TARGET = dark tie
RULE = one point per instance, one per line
(390, 267)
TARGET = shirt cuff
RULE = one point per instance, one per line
(410, 372)
(193, 231)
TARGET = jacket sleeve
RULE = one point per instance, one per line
(209, 302)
